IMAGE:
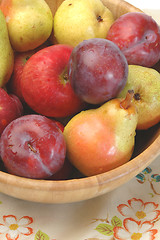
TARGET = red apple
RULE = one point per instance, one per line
(14, 84)
(138, 37)
(20, 59)
(33, 146)
(45, 84)
(10, 108)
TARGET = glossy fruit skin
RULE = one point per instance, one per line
(99, 140)
(97, 70)
(33, 146)
(20, 59)
(44, 85)
(10, 108)
(14, 84)
(138, 37)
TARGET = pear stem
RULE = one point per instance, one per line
(127, 101)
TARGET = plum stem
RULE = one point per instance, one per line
(127, 101)
(32, 148)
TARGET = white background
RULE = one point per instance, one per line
(146, 4)
(151, 7)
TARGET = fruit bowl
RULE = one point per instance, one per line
(83, 188)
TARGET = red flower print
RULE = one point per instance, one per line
(13, 228)
(139, 210)
(135, 230)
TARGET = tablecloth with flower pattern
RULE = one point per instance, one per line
(130, 212)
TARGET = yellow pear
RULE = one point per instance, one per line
(78, 20)
(6, 53)
(29, 23)
(146, 85)
(102, 139)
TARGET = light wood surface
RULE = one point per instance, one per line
(85, 188)
(119, 7)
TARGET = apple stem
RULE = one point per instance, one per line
(127, 101)
(65, 76)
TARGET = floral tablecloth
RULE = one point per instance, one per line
(131, 212)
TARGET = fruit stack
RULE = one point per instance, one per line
(76, 85)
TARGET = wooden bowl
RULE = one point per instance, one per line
(48, 191)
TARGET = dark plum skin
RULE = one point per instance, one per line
(97, 70)
(138, 37)
(33, 146)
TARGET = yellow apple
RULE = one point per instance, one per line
(78, 20)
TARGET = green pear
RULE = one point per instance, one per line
(29, 22)
(146, 85)
(6, 53)
(78, 20)
(99, 140)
